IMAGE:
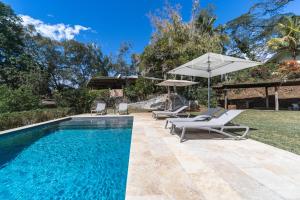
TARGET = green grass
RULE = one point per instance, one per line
(280, 129)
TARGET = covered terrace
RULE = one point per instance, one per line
(224, 88)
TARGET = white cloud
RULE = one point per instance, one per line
(54, 31)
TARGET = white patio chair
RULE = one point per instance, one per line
(218, 125)
(202, 117)
(157, 114)
(100, 109)
(123, 108)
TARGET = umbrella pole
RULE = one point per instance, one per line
(169, 99)
(208, 83)
(208, 93)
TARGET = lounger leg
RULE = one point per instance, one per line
(246, 132)
(172, 129)
(221, 131)
(166, 125)
(182, 134)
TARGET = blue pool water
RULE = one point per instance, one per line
(76, 159)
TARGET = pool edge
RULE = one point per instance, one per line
(58, 120)
(34, 125)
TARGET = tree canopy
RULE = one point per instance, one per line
(175, 42)
(33, 66)
(27, 58)
(250, 32)
(288, 41)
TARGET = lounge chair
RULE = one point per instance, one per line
(212, 112)
(157, 114)
(217, 125)
(123, 108)
(100, 109)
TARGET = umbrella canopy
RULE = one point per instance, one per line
(177, 83)
(212, 64)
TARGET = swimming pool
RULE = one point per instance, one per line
(81, 158)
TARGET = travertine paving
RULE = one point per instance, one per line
(206, 167)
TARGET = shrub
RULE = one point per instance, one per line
(19, 99)
(17, 119)
(100, 95)
(200, 94)
(79, 100)
(140, 90)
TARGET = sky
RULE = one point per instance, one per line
(111, 22)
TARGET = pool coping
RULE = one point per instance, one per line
(98, 116)
(58, 120)
(34, 125)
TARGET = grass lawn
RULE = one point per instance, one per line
(280, 129)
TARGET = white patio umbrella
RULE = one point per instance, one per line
(212, 64)
(175, 83)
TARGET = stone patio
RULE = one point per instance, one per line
(206, 167)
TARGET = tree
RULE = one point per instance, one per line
(11, 32)
(205, 21)
(65, 64)
(49, 55)
(140, 90)
(36, 76)
(286, 45)
(125, 63)
(32, 66)
(134, 65)
(13, 58)
(18, 66)
(82, 61)
(250, 31)
(175, 42)
(288, 41)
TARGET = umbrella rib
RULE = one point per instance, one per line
(196, 69)
(223, 65)
(217, 67)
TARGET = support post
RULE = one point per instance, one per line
(276, 99)
(267, 97)
(225, 99)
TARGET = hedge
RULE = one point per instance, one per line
(17, 119)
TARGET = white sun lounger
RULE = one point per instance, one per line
(202, 117)
(217, 125)
(157, 114)
(100, 109)
(123, 108)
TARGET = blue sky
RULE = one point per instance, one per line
(111, 22)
